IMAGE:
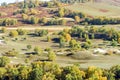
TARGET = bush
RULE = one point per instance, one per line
(34, 20)
(3, 30)
(21, 32)
(86, 45)
(8, 22)
(116, 71)
(4, 61)
(48, 39)
(11, 53)
(29, 47)
(62, 22)
(51, 56)
(38, 50)
(41, 33)
(13, 33)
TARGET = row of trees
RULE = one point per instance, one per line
(102, 21)
(68, 37)
(8, 22)
(43, 21)
(29, 4)
(52, 71)
(96, 33)
(15, 33)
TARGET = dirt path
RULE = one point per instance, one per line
(53, 28)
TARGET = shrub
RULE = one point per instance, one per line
(51, 56)
(41, 33)
(48, 39)
(11, 53)
(21, 32)
(3, 30)
(29, 47)
(34, 20)
(38, 50)
(13, 33)
(4, 61)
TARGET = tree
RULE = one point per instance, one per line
(119, 40)
(94, 73)
(29, 47)
(24, 72)
(13, 33)
(41, 33)
(38, 50)
(4, 61)
(3, 30)
(33, 12)
(21, 32)
(12, 73)
(72, 73)
(44, 20)
(48, 38)
(61, 12)
(24, 17)
(36, 74)
(62, 41)
(86, 45)
(62, 22)
(77, 19)
(74, 45)
(48, 76)
(92, 36)
(9, 22)
(34, 20)
(113, 43)
(2, 73)
(116, 71)
(68, 37)
(51, 56)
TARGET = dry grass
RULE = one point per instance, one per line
(96, 9)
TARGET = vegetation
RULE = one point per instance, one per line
(4, 61)
(11, 53)
(33, 50)
(53, 71)
(8, 22)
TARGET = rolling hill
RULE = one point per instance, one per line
(99, 8)
(112, 2)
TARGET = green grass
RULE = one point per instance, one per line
(94, 9)
(85, 58)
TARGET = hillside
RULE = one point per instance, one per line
(96, 9)
(55, 40)
(56, 13)
(112, 2)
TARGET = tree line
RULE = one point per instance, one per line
(8, 22)
(52, 71)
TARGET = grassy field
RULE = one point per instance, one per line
(96, 9)
(85, 58)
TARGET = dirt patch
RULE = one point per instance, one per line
(103, 10)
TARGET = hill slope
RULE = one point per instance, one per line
(113, 2)
(96, 9)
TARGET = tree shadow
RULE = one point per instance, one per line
(55, 40)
